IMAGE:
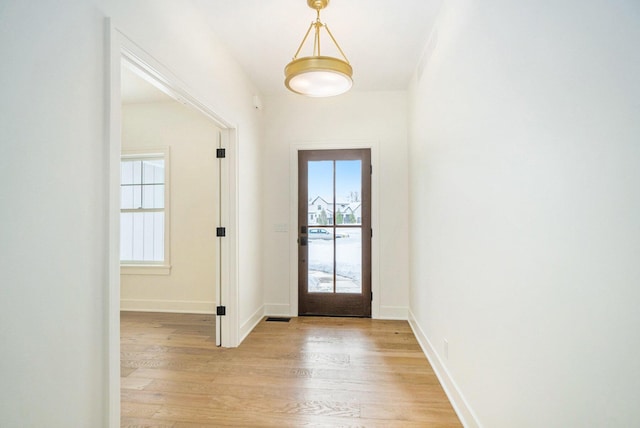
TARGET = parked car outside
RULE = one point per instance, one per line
(319, 233)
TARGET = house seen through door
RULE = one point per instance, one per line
(334, 235)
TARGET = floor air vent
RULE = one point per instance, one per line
(278, 319)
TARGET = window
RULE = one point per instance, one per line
(144, 194)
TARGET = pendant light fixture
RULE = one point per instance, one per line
(317, 75)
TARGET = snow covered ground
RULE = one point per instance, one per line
(348, 263)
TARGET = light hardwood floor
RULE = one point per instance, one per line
(319, 372)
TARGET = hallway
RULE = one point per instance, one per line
(309, 371)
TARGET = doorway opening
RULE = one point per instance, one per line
(170, 202)
(123, 49)
(334, 232)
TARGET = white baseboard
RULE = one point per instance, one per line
(393, 313)
(248, 326)
(177, 306)
(460, 405)
(277, 310)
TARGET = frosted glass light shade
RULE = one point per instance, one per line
(318, 76)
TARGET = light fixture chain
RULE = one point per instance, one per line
(336, 43)
(316, 42)
(303, 40)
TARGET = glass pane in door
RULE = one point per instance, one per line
(320, 244)
(320, 193)
(320, 239)
(348, 192)
(348, 239)
(348, 260)
(334, 251)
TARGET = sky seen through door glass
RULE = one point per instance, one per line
(348, 176)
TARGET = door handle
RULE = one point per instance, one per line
(303, 241)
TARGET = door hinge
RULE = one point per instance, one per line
(370, 169)
(372, 233)
(221, 311)
(221, 153)
(372, 296)
(221, 231)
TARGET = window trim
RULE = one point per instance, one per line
(153, 268)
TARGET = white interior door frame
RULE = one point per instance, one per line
(122, 48)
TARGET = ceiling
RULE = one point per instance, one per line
(382, 39)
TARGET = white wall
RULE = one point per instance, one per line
(376, 118)
(525, 211)
(53, 191)
(192, 140)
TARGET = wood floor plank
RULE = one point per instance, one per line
(309, 372)
(127, 422)
(175, 375)
(139, 410)
(134, 383)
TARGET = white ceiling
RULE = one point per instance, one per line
(383, 39)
